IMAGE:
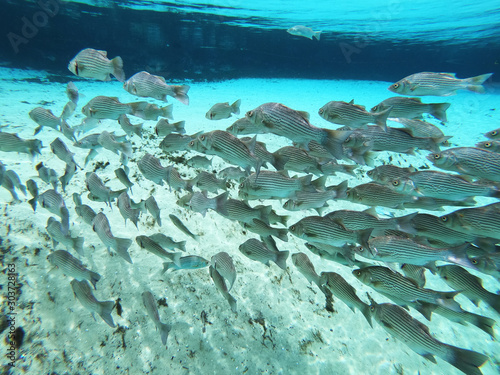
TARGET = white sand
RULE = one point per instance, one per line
(281, 326)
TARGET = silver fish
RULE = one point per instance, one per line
(262, 229)
(244, 126)
(72, 92)
(410, 108)
(178, 223)
(208, 182)
(106, 107)
(68, 110)
(295, 159)
(220, 284)
(108, 141)
(44, 117)
(150, 304)
(199, 202)
(101, 226)
(97, 188)
(493, 134)
(59, 234)
(153, 247)
(386, 173)
(306, 268)
(414, 273)
(237, 210)
(164, 128)
(68, 131)
(69, 172)
(151, 111)
(489, 145)
(223, 264)
(123, 177)
(10, 142)
(127, 212)
(233, 173)
(190, 262)
(423, 129)
(83, 293)
(168, 242)
(33, 190)
(258, 251)
(307, 32)
(148, 85)
(353, 115)
(343, 254)
(438, 84)
(317, 200)
(52, 201)
(91, 63)
(177, 142)
(221, 111)
(152, 207)
(86, 213)
(72, 267)
(127, 126)
(47, 175)
(400, 324)
(175, 181)
(59, 149)
(199, 161)
(151, 169)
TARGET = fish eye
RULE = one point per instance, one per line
(202, 138)
(444, 219)
(494, 133)
(242, 185)
(487, 144)
(321, 111)
(292, 228)
(369, 173)
(436, 156)
(395, 86)
(249, 114)
(395, 183)
(374, 109)
(191, 143)
(348, 139)
(358, 273)
(372, 308)
(474, 261)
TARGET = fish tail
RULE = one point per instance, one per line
(179, 127)
(317, 34)
(94, 278)
(426, 309)
(181, 246)
(232, 302)
(475, 84)
(484, 323)
(283, 219)
(438, 110)
(405, 224)
(458, 255)
(465, 360)
(168, 266)
(126, 148)
(138, 129)
(494, 302)
(122, 245)
(447, 300)
(34, 147)
(117, 64)
(332, 140)
(78, 245)
(177, 259)
(220, 203)
(281, 258)
(235, 107)
(181, 94)
(364, 236)
(32, 203)
(158, 220)
(319, 183)
(283, 235)
(381, 118)
(167, 111)
(349, 169)
(365, 310)
(105, 313)
(340, 190)
(164, 331)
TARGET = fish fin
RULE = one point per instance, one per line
(426, 309)
(181, 246)
(319, 183)
(465, 360)
(486, 324)
(167, 111)
(281, 258)
(304, 114)
(117, 64)
(105, 313)
(167, 266)
(438, 110)
(235, 107)
(381, 118)
(317, 34)
(78, 245)
(94, 278)
(122, 245)
(164, 331)
(177, 259)
(333, 140)
(429, 357)
(232, 302)
(366, 313)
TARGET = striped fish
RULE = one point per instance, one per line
(148, 244)
(123, 177)
(258, 251)
(199, 161)
(281, 120)
(317, 200)
(59, 149)
(295, 159)
(260, 150)
(68, 131)
(206, 181)
(233, 173)
(72, 267)
(177, 142)
(469, 285)
(221, 111)
(401, 289)
(148, 85)
(83, 293)
(52, 201)
(86, 213)
(152, 169)
(59, 234)
(149, 111)
(68, 110)
(175, 181)
(423, 129)
(127, 212)
(234, 209)
(224, 265)
(220, 284)
(153, 209)
(373, 194)
(331, 168)
(410, 108)
(472, 161)
(438, 84)
(33, 190)
(150, 304)
(101, 226)
(44, 117)
(199, 202)
(344, 291)
(400, 324)
(11, 142)
(493, 134)
(306, 268)
(493, 146)
(72, 92)
(69, 172)
(91, 63)
(168, 242)
(97, 188)
(244, 126)
(47, 175)
(106, 107)
(178, 223)
(353, 115)
(388, 172)
(127, 126)
(262, 229)
(164, 128)
(414, 273)
(108, 141)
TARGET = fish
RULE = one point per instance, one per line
(438, 84)
(442, 185)
(72, 267)
(488, 264)
(258, 251)
(11, 142)
(304, 31)
(87, 124)
(199, 202)
(199, 161)
(471, 161)
(14, 178)
(153, 209)
(259, 150)
(151, 169)
(317, 200)
(83, 293)
(68, 131)
(149, 303)
(415, 273)
(244, 126)
(72, 92)
(306, 268)
(190, 262)
(422, 129)
(59, 149)
(59, 234)
(164, 128)
(220, 284)
(281, 120)
(344, 291)
(177, 142)
(394, 249)
(127, 212)
(109, 107)
(401, 289)
(44, 117)
(237, 210)
(384, 174)
(147, 85)
(222, 111)
(175, 181)
(69, 172)
(127, 126)
(97, 188)
(47, 175)
(52, 201)
(150, 245)
(33, 190)
(493, 134)
(68, 110)
(489, 145)
(223, 264)
(208, 182)
(478, 221)
(91, 63)
(123, 177)
(262, 229)
(233, 173)
(400, 324)
(328, 231)
(168, 242)
(178, 223)
(108, 141)
(86, 213)
(331, 168)
(353, 115)
(411, 108)
(469, 285)
(100, 225)
(295, 159)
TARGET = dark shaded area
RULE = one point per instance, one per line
(204, 47)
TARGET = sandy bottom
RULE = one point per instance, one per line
(281, 325)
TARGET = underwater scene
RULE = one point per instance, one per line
(250, 187)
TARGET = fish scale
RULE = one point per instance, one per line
(73, 267)
(152, 169)
(223, 264)
(480, 221)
